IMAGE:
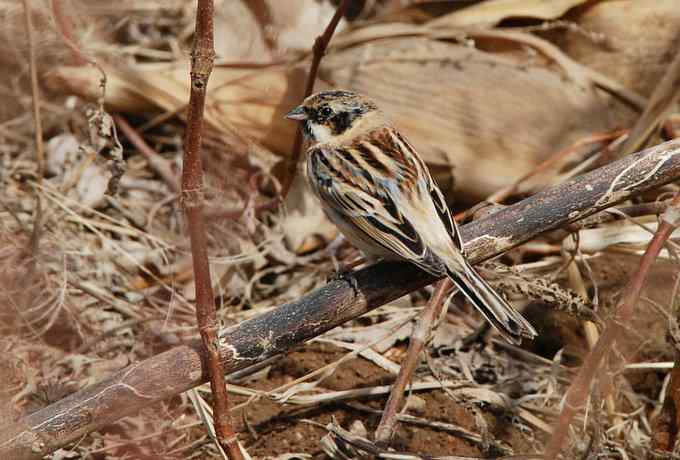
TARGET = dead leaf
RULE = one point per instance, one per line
(304, 216)
(641, 39)
(489, 118)
(236, 19)
(490, 13)
(295, 24)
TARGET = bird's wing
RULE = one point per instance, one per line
(364, 183)
(445, 214)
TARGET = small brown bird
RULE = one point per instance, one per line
(375, 188)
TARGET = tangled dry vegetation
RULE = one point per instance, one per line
(502, 98)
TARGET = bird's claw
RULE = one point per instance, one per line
(346, 276)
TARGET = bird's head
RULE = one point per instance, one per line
(329, 116)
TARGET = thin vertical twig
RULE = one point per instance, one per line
(37, 124)
(418, 340)
(318, 50)
(193, 200)
(578, 391)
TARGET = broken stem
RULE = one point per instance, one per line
(417, 342)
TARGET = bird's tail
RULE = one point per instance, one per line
(508, 321)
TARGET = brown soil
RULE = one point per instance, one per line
(283, 429)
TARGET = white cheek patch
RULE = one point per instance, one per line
(321, 133)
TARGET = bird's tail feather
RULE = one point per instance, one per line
(508, 321)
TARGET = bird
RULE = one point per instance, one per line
(375, 188)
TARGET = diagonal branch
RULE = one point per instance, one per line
(579, 390)
(277, 331)
(417, 343)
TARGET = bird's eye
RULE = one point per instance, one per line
(326, 112)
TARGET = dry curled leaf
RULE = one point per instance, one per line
(492, 12)
(103, 141)
(628, 237)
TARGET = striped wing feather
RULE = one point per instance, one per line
(358, 183)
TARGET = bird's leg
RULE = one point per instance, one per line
(343, 270)
(477, 335)
(421, 335)
(344, 273)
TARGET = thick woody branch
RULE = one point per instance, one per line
(279, 330)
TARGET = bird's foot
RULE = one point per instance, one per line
(477, 336)
(345, 274)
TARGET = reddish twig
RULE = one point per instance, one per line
(202, 58)
(156, 162)
(319, 48)
(660, 102)
(417, 342)
(578, 391)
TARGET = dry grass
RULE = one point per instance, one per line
(112, 282)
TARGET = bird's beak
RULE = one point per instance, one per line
(298, 113)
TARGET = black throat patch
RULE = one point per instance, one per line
(342, 121)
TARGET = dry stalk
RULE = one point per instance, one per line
(319, 48)
(452, 428)
(632, 210)
(417, 342)
(278, 330)
(37, 125)
(202, 57)
(66, 27)
(342, 444)
(589, 327)
(579, 389)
